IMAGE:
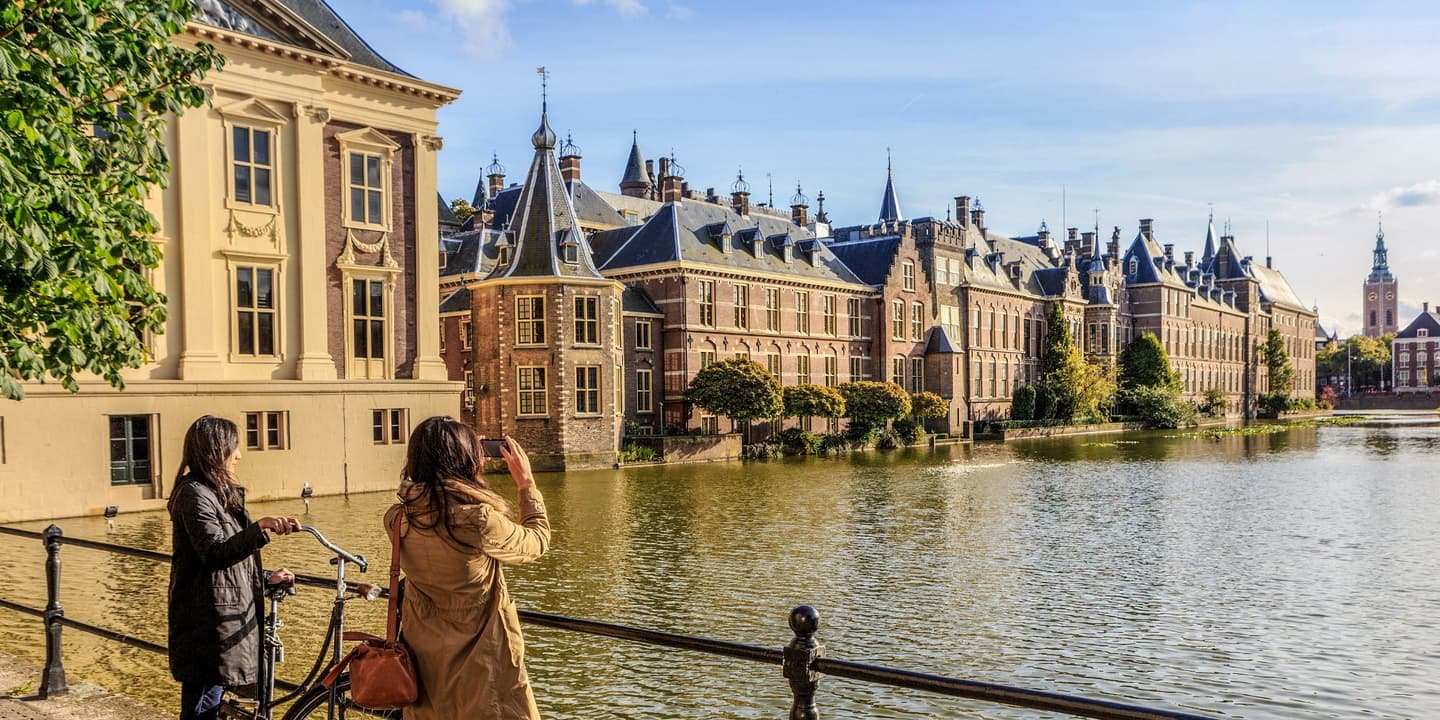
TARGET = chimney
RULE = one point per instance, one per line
(799, 215)
(962, 210)
(671, 189)
(977, 218)
(1169, 252)
(1427, 306)
(497, 182)
(1147, 228)
(1071, 234)
(740, 201)
(1267, 261)
(1190, 258)
(570, 168)
(1087, 240)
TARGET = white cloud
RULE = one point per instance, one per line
(1417, 195)
(624, 7)
(483, 22)
(676, 11)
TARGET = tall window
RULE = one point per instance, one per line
(897, 371)
(644, 391)
(979, 378)
(466, 332)
(802, 312)
(388, 426)
(587, 390)
(442, 337)
(266, 430)
(530, 320)
(897, 320)
(130, 449)
(367, 317)
(994, 391)
(832, 371)
(853, 307)
(469, 387)
(857, 369)
(827, 313)
(742, 307)
(772, 309)
(1028, 334)
(367, 192)
(1004, 329)
(907, 275)
(254, 310)
(707, 303)
(707, 358)
(802, 369)
(642, 334)
(530, 384)
(587, 320)
(251, 165)
(772, 363)
(917, 320)
(917, 375)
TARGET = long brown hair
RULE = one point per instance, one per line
(208, 444)
(441, 449)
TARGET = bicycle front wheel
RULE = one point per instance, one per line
(315, 704)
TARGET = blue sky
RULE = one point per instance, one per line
(1313, 116)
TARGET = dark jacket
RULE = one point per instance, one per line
(215, 588)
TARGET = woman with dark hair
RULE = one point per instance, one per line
(215, 577)
(457, 616)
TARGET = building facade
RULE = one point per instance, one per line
(1381, 293)
(299, 257)
(1415, 354)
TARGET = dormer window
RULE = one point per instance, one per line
(571, 252)
(504, 253)
(1134, 266)
(1422, 332)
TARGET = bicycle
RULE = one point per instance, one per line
(312, 700)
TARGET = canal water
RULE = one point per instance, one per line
(1291, 575)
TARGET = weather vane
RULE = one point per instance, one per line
(544, 86)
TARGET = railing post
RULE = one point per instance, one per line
(52, 681)
(800, 656)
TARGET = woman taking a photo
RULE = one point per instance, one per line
(458, 618)
(215, 577)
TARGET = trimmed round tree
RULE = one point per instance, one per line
(871, 404)
(813, 401)
(738, 388)
(1144, 363)
(928, 406)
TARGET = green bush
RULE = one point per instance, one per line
(1022, 404)
(1214, 404)
(887, 440)
(1159, 407)
(633, 453)
(798, 441)
(761, 450)
(833, 443)
(1044, 403)
(909, 431)
(1274, 403)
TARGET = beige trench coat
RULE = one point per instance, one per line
(458, 617)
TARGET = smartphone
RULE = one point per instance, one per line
(491, 447)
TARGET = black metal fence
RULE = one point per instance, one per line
(802, 661)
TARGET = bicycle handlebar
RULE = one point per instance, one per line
(358, 560)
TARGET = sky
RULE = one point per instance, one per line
(1309, 118)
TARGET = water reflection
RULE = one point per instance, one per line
(1267, 576)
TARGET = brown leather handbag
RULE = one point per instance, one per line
(382, 672)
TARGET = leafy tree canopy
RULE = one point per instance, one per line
(1079, 389)
(461, 208)
(1144, 363)
(1277, 362)
(929, 406)
(813, 401)
(86, 88)
(869, 403)
(738, 388)
(1022, 404)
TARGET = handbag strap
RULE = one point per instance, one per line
(392, 611)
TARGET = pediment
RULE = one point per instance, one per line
(254, 109)
(269, 20)
(367, 137)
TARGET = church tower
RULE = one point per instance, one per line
(1381, 308)
(549, 372)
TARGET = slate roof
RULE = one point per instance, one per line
(889, 203)
(474, 253)
(687, 232)
(592, 208)
(323, 18)
(1275, 289)
(1320, 333)
(1210, 243)
(1151, 266)
(870, 259)
(1429, 320)
(458, 301)
(636, 300)
(447, 216)
(939, 342)
(635, 167)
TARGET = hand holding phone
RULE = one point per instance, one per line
(491, 447)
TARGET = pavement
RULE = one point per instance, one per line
(20, 681)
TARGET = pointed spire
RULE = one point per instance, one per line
(1211, 240)
(889, 203)
(1380, 268)
(636, 179)
(480, 198)
(544, 228)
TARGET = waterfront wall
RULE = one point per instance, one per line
(1389, 402)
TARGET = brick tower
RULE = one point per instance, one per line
(1381, 309)
(548, 361)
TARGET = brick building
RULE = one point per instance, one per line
(1381, 293)
(1416, 354)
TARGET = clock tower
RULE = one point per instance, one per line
(1381, 309)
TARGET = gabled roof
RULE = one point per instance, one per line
(458, 301)
(1275, 289)
(544, 222)
(1210, 243)
(474, 253)
(1429, 320)
(870, 259)
(939, 342)
(311, 24)
(683, 232)
(1150, 264)
(447, 216)
(636, 300)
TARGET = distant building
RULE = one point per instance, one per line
(1381, 292)
(300, 257)
(1416, 354)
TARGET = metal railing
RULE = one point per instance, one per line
(802, 661)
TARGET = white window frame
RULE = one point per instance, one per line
(587, 393)
(907, 276)
(366, 142)
(266, 423)
(542, 391)
(644, 392)
(644, 343)
(587, 320)
(538, 319)
(387, 281)
(393, 424)
(233, 263)
(255, 114)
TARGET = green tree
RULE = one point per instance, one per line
(1022, 404)
(738, 388)
(1059, 343)
(1277, 363)
(1079, 389)
(1159, 406)
(928, 406)
(461, 208)
(1365, 360)
(813, 401)
(871, 404)
(86, 88)
(1144, 363)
